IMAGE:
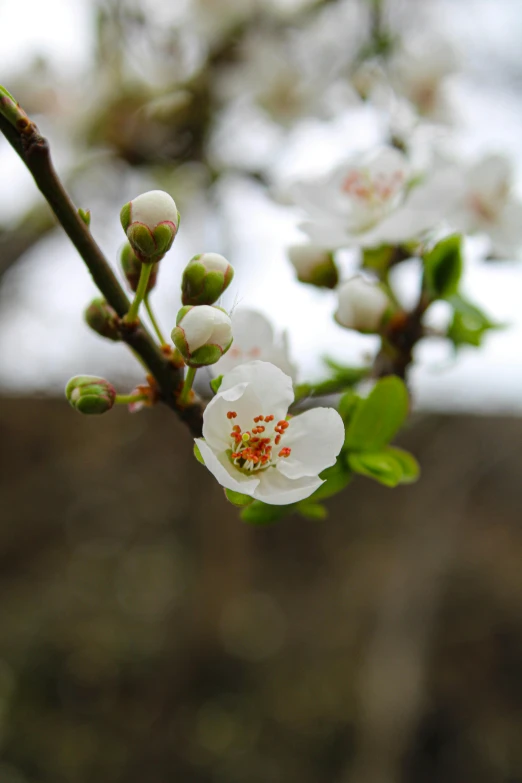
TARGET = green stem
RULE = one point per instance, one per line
(127, 399)
(153, 321)
(139, 296)
(187, 386)
(34, 151)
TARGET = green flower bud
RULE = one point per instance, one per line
(131, 266)
(205, 278)
(151, 222)
(202, 334)
(102, 319)
(89, 394)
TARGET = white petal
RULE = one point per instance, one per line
(222, 469)
(216, 426)
(278, 490)
(242, 400)
(154, 207)
(316, 438)
(272, 387)
(197, 325)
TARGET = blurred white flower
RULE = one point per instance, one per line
(362, 305)
(254, 338)
(419, 72)
(250, 447)
(489, 206)
(374, 199)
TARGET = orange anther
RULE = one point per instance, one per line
(231, 415)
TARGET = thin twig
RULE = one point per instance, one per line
(34, 151)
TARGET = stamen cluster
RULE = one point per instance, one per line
(251, 449)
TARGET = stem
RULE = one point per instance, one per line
(34, 151)
(139, 296)
(153, 321)
(187, 386)
(127, 399)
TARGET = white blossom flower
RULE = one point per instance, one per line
(362, 305)
(419, 72)
(249, 445)
(202, 334)
(489, 206)
(254, 338)
(375, 199)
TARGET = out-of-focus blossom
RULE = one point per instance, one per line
(362, 305)
(489, 206)
(419, 72)
(249, 445)
(254, 338)
(314, 265)
(375, 199)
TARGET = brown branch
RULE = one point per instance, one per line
(34, 151)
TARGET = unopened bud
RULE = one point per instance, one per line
(205, 278)
(202, 334)
(362, 305)
(89, 394)
(102, 319)
(314, 265)
(151, 223)
(131, 266)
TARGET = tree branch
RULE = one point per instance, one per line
(34, 151)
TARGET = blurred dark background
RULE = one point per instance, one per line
(148, 634)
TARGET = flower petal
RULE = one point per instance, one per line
(278, 490)
(316, 438)
(222, 469)
(270, 384)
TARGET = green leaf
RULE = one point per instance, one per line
(410, 466)
(215, 383)
(258, 513)
(237, 498)
(379, 417)
(312, 510)
(379, 465)
(197, 454)
(336, 479)
(347, 406)
(469, 324)
(443, 267)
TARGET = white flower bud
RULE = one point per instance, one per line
(205, 278)
(151, 222)
(202, 334)
(362, 305)
(314, 265)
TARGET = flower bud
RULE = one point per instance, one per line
(205, 278)
(314, 265)
(89, 394)
(131, 266)
(102, 319)
(362, 305)
(202, 334)
(151, 222)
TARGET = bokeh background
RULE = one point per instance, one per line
(146, 633)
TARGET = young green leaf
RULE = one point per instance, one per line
(312, 510)
(238, 499)
(197, 454)
(258, 513)
(379, 465)
(215, 383)
(410, 466)
(335, 479)
(443, 267)
(379, 417)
